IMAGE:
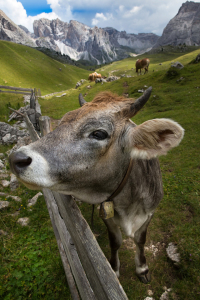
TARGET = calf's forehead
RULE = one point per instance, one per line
(92, 113)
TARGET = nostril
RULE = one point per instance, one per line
(19, 161)
(24, 162)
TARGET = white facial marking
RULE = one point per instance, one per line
(37, 173)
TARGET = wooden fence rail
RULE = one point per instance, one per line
(14, 88)
(34, 112)
(11, 92)
(34, 93)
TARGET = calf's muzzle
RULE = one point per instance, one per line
(19, 162)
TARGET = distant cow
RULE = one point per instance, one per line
(93, 76)
(97, 153)
(142, 64)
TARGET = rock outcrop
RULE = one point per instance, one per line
(136, 42)
(10, 134)
(9, 31)
(183, 28)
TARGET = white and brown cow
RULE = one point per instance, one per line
(94, 76)
(88, 155)
(142, 64)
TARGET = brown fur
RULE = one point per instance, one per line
(102, 101)
(93, 76)
(142, 64)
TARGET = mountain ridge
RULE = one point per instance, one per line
(183, 28)
(77, 40)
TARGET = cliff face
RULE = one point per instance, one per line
(184, 27)
(136, 42)
(9, 31)
(76, 39)
(95, 44)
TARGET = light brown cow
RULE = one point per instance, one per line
(93, 76)
(142, 64)
(97, 153)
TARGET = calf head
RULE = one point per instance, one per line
(89, 152)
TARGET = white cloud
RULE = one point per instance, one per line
(13, 9)
(16, 12)
(101, 17)
(121, 7)
(133, 16)
(63, 8)
(135, 9)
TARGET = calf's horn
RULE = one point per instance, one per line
(138, 104)
(81, 100)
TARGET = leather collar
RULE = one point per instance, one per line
(123, 182)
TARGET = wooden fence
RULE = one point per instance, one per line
(89, 274)
(34, 112)
(34, 93)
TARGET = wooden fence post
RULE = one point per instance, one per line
(32, 100)
(45, 125)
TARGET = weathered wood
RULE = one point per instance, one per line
(78, 272)
(15, 88)
(45, 125)
(102, 278)
(12, 116)
(68, 273)
(31, 129)
(16, 111)
(32, 100)
(15, 92)
(72, 286)
(36, 93)
(37, 107)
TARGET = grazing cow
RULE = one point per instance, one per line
(93, 76)
(142, 64)
(98, 153)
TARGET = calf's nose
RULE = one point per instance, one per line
(19, 162)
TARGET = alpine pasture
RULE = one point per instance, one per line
(31, 267)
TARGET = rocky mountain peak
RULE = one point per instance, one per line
(9, 31)
(183, 28)
(188, 6)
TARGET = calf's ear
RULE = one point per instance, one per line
(154, 138)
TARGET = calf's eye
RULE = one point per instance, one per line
(98, 135)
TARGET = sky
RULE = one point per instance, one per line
(133, 16)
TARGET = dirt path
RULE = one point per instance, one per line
(52, 94)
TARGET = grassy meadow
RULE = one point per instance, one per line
(30, 264)
(23, 66)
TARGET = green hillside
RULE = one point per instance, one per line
(22, 66)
